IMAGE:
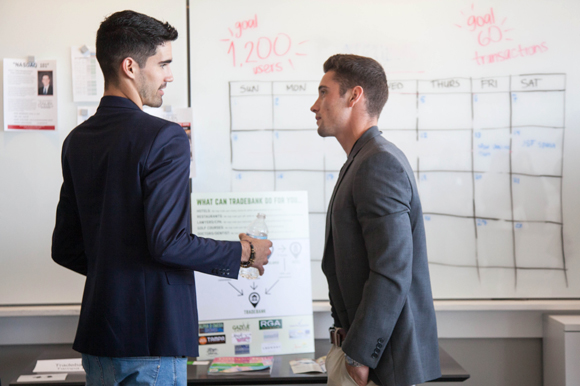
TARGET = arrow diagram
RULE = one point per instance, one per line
(241, 293)
(295, 249)
(269, 289)
(254, 286)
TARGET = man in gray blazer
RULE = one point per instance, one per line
(375, 255)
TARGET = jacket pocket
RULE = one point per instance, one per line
(184, 277)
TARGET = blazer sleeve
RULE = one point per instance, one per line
(382, 194)
(166, 203)
(68, 248)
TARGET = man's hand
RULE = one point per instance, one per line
(359, 374)
(262, 249)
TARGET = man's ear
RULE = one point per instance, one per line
(129, 68)
(355, 96)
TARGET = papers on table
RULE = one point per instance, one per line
(53, 369)
(199, 363)
(59, 365)
(301, 366)
(42, 377)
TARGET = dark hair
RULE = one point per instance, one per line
(353, 70)
(129, 34)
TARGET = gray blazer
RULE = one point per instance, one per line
(375, 261)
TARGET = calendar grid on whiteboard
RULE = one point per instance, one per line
(483, 159)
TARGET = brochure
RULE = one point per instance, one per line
(229, 365)
(301, 366)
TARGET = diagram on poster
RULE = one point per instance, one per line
(268, 315)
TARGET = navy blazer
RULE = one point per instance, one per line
(375, 261)
(123, 220)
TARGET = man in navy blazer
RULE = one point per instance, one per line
(123, 218)
(375, 254)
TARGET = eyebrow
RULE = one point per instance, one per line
(321, 87)
(166, 61)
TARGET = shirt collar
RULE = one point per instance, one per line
(115, 101)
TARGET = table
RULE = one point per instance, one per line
(197, 374)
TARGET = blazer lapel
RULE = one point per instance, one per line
(359, 144)
(340, 177)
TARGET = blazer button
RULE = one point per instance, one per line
(379, 345)
(374, 356)
(377, 351)
(380, 340)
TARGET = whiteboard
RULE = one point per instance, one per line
(416, 41)
(483, 102)
(30, 171)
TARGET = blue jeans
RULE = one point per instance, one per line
(135, 371)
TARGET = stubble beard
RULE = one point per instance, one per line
(323, 131)
(149, 99)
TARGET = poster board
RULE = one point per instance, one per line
(273, 313)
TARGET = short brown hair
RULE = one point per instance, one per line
(129, 34)
(353, 70)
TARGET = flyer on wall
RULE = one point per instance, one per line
(30, 95)
(87, 78)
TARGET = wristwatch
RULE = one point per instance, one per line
(352, 362)
(249, 263)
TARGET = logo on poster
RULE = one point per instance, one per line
(242, 337)
(271, 348)
(212, 339)
(212, 351)
(242, 349)
(299, 333)
(271, 336)
(241, 327)
(254, 298)
(270, 324)
(211, 328)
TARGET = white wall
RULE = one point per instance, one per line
(30, 171)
